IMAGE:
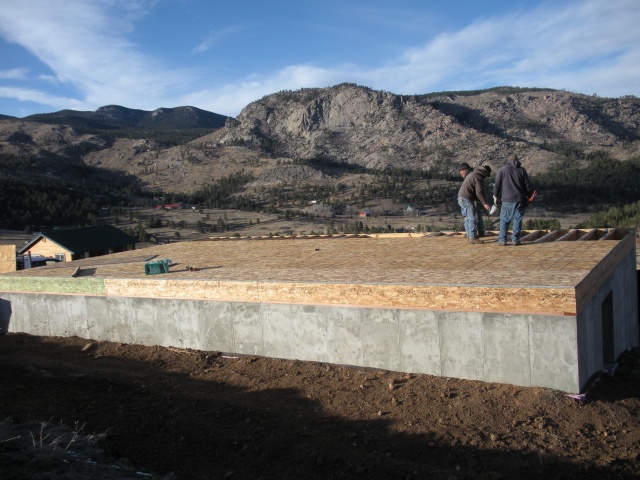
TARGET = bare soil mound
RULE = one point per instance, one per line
(77, 409)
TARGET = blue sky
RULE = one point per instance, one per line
(221, 55)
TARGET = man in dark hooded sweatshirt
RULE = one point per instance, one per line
(471, 200)
(513, 188)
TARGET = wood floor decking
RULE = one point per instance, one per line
(394, 271)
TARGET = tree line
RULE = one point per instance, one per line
(30, 197)
(602, 180)
(43, 204)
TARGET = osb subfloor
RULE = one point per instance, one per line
(388, 260)
(402, 271)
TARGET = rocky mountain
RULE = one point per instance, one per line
(326, 144)
(68, 137)
(376, 130)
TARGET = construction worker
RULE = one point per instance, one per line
(471, 200)
(513, 188)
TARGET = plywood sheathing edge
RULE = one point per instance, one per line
(548, 301)
(56, 285)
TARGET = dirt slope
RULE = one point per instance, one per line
(203, 415)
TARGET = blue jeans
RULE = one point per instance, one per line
(473, 223)
(511, 211)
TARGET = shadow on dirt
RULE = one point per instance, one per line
(159, 415)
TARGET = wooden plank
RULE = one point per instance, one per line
(552, 301)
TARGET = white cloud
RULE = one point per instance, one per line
(27, 95)
(49, 78)
(231, 98)
(216, 37)
(586, 46)
(83, 44)
(13, 74)
(561, 47)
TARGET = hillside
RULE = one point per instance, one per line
(345, 146)
(339, 130)
(377, 130)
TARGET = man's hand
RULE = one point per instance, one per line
(487, 207)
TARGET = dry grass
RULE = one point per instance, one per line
(243, 223)
(53, 451)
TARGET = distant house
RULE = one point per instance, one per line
(169, 206)
(77, 243)
(365, 212)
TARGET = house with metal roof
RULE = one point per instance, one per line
(77, 243)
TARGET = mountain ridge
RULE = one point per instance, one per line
(432, 131)
(340, 145)
(115, 116)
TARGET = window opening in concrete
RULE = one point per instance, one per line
(608, 350)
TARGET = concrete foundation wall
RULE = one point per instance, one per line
(625, 319)
(527, 350)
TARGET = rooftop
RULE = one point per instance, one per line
(78, 240)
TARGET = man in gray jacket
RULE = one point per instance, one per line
(471, 200)
(513, 188)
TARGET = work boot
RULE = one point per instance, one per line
(473, 241)
(516, 243)
(502, 244)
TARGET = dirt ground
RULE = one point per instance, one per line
(76, 409)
